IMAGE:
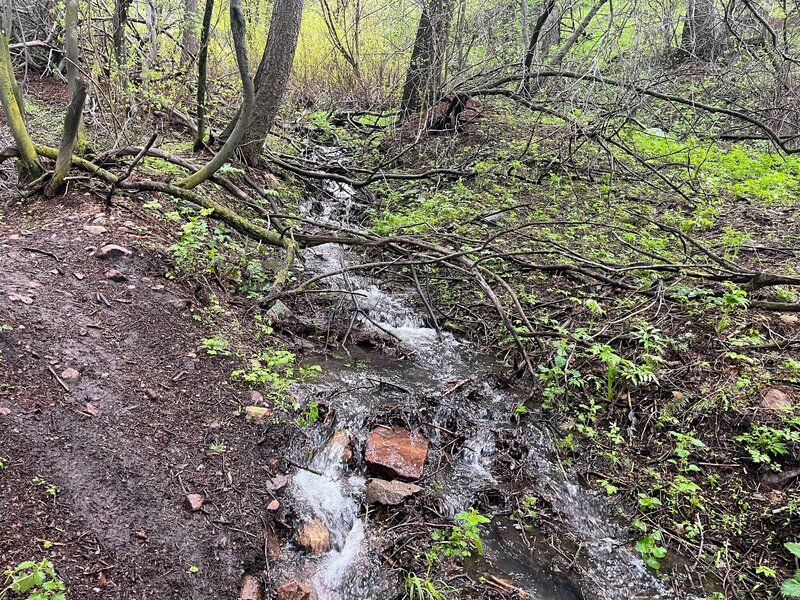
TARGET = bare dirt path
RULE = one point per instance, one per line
(131, 437)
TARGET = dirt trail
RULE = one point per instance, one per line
(118, 522)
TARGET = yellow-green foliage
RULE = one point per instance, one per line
(386, 32)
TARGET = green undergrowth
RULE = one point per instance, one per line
(660, 398)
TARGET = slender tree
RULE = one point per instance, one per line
(239, 34)
(202, 74)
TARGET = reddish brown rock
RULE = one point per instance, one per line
(396, 452)
(390, 493)
(775, 399)
(95, 229)
(194, 502)
(112, 251)
(250, 590)
(293, 590)
(115, 275)
(273, 506)
(70, 375)
(340, 442)
(313, 537)
(256, 414)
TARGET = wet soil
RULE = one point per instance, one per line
(127, 441)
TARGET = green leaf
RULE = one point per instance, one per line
(791, 588)
(793, 547)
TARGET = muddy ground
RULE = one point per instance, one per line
(131, 437)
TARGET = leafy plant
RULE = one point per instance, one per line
(36, 579)
(791, 587)
(50, 488)
(463, 538)
(648, 548)
(216, 345)
(276, 371)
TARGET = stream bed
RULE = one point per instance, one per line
(441, 387)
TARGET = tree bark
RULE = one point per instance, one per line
(119, 23)
(73, 72)
(702, 32)
(272, 76)
(202, 70)
(423, 84)
(238, 32)
(28, 166)
(72, 121)
(189, 38)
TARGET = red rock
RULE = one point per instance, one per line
(194, 502)
(250, 589)
(313, 537)
(293, 590)
(775, 399)
(112, 251)
(390, 493)
(396, 452)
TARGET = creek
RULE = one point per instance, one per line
(477, 455)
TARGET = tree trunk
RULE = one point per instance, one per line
(189, 38)
(423, 83)
(702, 31)
(151, 20)
(202, 64)
(119, 24)
(28, 166)
(72, 122)
(73, 77)
(273, 73)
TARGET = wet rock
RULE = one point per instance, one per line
(390, 493)
(70, 375)
(341, 439)
(112, 251)
(775, 399)
(279, 311)
(313, 537)
(779, 480)
(396, 452)
(250, 590)
(95, 229)
(272, 543)
(256, 414)
(293, 590)
(194, 502)
(115, 275)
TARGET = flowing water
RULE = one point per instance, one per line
(362, 386)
